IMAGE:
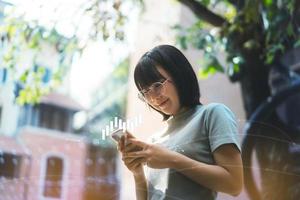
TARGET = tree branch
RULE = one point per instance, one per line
(203, 13)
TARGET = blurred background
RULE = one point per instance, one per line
(66, 81)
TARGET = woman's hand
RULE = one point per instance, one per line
(153, 155)
(135, 165)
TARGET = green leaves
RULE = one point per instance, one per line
(108, 18)
(31, 94)
(32, 87)
(271, 52)
(267, 3)
(22, 39)
(211, 66)
(28, 40)
(183, 42)
(205, 2)
(297, 44)
(199, 36)
(260, 30)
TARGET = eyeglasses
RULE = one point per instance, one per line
(152, 91)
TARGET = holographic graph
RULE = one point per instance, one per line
(117, 123)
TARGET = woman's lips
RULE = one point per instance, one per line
(163, 103)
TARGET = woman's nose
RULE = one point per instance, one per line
(156, 98)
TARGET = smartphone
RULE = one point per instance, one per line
(117, 134)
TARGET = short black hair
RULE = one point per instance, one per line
(176, 64)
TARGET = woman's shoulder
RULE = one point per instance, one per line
(213, 109)
(205, 110)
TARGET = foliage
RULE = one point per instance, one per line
(21, 41)
(26, 39)
(266, 27)
(109, 17)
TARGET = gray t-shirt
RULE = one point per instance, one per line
(196, 133)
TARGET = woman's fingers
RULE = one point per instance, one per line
(131, 161)
(121, 143)
(128, 135)
(138, 142)
(130, 147)
(136, 154)
(127, 147)
(129, 143)
(137, 164)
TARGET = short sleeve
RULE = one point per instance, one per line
(221, 126)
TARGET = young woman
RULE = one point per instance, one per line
(199, 154)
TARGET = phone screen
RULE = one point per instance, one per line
(117, 134)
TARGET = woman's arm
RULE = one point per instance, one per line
(141, 187)
(135, 165)
(225, 176)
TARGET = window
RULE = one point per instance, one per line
(53, 177)
(10, 165)
(54, 118)
(46, 115)
(3, 75)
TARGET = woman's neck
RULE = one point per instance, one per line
(181, 110)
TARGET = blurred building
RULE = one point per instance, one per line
(109, 102)
(42, 158)
(41, 155)
(109, 99)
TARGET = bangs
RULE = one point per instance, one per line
(146, 73)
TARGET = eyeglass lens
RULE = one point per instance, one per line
(154, 90)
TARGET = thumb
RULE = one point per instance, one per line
(129, 135)
(137, 142)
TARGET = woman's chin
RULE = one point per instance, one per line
(167, 108)
(167, 111)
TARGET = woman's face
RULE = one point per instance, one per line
(166, 101)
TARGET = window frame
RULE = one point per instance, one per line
(43, 171)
